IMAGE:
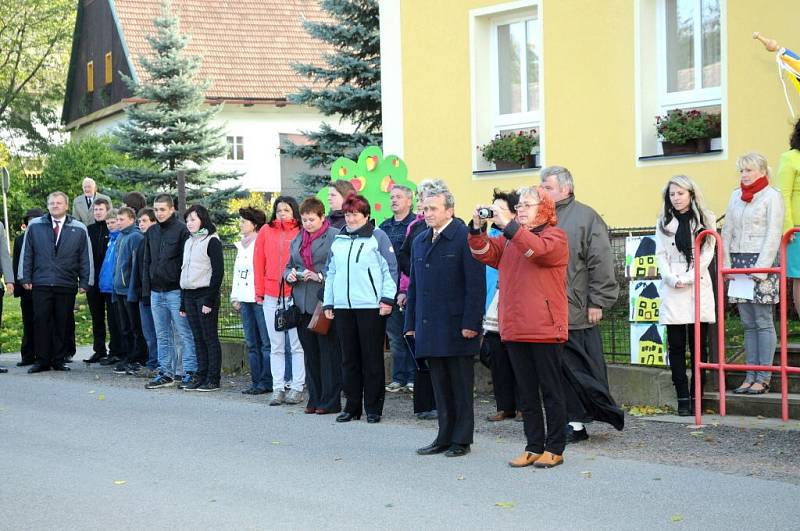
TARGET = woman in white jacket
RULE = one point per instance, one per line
(752, 238)
(683, 217)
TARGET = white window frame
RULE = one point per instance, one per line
(232, 148)
(505, 122)
(483, 110)
(698, 97)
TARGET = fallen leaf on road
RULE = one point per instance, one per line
(276, 442)
(389, 505)
(586, 474)
(656, 479)
(461, 478)
(101, 397)
(696, 433)
(760, 417)
(676, 518)
(119, 482)
(91, 392)
(337, 458)
(505, 505)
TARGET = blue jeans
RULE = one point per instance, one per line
(403, 366)
(257, 340)
(759, 338)
(166, 306)
(149, 332)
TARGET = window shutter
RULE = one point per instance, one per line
(109, 69)
(90, 76)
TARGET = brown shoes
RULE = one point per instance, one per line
(548, 460)
(524, 459)
(501, 415)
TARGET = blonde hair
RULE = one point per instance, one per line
(697, 204)
(112, 214)
(754, 161)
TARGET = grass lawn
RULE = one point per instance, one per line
(11, 330)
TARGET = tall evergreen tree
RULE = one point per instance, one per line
(172, 127)
(349, 87)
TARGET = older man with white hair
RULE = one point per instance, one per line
(591, 288)
(83, 204)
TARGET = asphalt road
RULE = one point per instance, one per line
(78, 454)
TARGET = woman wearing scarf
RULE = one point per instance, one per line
(305, 272)
(531, 257)
(269, 264)
(682, 218)
(243, 300)
(752, 238)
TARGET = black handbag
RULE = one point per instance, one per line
(286, 317)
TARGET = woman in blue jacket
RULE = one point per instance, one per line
(361, 287)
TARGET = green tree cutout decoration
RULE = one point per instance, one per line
(373, 177)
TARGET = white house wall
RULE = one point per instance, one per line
(260, 127)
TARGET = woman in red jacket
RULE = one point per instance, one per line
(531, 256)
(271, 255)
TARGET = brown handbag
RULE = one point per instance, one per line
(319, 324)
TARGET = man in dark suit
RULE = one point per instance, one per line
(55, 263)
(26, 348)
(444, 310)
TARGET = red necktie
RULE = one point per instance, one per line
(57, 229)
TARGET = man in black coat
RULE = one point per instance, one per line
(56, 263)
(27, 350)
(444, 311)
(99, 310)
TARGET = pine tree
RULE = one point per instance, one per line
(172, 128)
(351, 87)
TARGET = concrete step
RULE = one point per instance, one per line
(766, 405)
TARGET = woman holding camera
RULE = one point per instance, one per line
(531, 257)
(360, 291)
(305, 272)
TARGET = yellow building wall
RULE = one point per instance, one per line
(589, 102)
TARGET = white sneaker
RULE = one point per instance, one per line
(277, 397)
(294, 397)
(394, 387)
(409, 388)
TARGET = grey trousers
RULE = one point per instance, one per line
(759, 338)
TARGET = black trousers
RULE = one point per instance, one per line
(323, 360)
(206, 339)
(505, 388)
(130, 330)
(423, 392)
(678, 336)
(52, 314)
(27, 348)
(537, 367)
(453, 379)
(97, 308)
(361, 334)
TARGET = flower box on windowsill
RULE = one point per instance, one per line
(695, 145)
(505, 165)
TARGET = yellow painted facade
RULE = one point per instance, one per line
(589, 93)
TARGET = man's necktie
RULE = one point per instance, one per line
(56, 229)
(434, 237)
(88, 202)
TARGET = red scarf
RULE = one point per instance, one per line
(749, 190)
(308, 239)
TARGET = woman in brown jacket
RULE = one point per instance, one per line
(532, 256)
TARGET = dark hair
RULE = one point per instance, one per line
(511, 197)
(33, 213)
(205, 218)
(254, 216)
(794, 141)
(312, 205)
(356, 203)
(102, 201)
(127, 211)
(344, 187)
(164, 198)
(291, 201)
(149, 212)
(135, 200)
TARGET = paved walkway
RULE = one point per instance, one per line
(79, 454)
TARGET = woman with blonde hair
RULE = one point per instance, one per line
(682, 218)
(752, 238)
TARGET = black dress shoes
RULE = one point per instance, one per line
(3, 370)
(431, 449)
(24, 363)
(38, 367)
(457, 450)
(347, 417)
(373, 418)
(110, 360)
(60, 367)
(95, 358)
(575, 436)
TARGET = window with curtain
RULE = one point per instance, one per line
(516, 71)
(235, 147)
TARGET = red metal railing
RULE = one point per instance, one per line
(721, 364)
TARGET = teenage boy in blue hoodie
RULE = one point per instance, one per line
(105, 282)
(127, 305)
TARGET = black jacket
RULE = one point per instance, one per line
(98, 236)
(163, 255)
(19, 291)
(66, 265)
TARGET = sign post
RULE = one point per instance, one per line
(6, 182)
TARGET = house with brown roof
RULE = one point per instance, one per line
(248, 47)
